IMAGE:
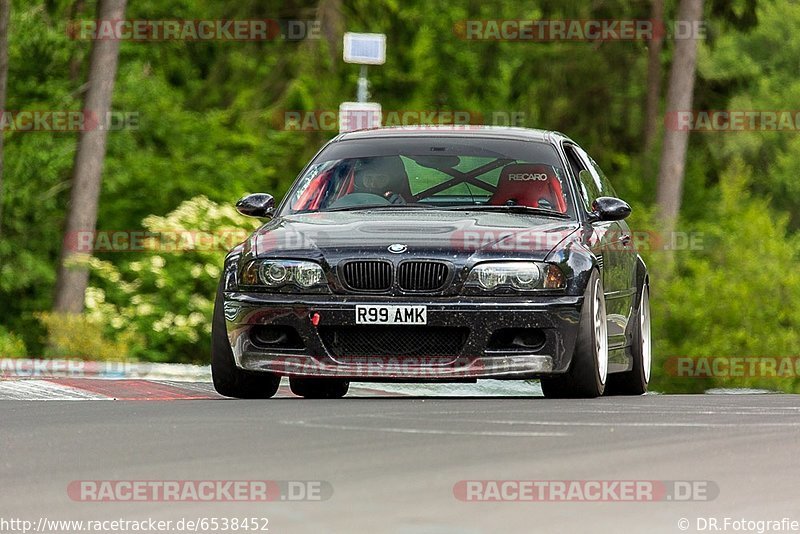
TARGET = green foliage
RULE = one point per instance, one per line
(757, 69)
(162, 298)
(11, 345)
(734, 298)
(83, 337)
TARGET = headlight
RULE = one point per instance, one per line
(275, 274)
(517, 275)
(308, 275)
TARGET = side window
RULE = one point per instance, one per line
(589, 184)
(603, 185)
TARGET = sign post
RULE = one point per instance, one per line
(362, 49)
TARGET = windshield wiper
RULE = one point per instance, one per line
(378, 207)
(409, 205)
(514, 208)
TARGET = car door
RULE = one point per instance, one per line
(613, 246)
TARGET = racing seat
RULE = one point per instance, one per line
(311, 198)
(529, 184)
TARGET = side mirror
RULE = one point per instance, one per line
(609, 209)
(256, 205)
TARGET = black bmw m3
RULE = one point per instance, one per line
(437, 254)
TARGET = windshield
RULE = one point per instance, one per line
(440, 173)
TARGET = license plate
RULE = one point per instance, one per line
(386, 314)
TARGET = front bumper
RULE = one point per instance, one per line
(556, 317)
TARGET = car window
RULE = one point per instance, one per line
(590, 189)
(599, 178)
(422, 178)
(456, 175)
(588, 183)
(606, 189)
(592, 182)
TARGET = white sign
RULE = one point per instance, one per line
(359, 116)
(365, 48)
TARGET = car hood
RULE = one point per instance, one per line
(422, 232)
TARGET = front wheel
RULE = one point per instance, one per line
(230, 380)
(588, 370)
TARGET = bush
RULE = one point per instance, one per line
(735, 298)
(163, 299)
(83, 337)
(11, 345)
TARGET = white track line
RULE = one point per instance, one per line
(42, 390)
(398, 430)
(632, 424)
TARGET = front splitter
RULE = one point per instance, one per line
(406, 368)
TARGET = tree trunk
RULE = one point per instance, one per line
(329, 13)
(653, 75)
(5, 10)
(679, 98)
(87, 174)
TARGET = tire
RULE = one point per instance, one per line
(319, 388)
(635, 381)
(588, 370)
(229, 380)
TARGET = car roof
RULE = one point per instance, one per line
(469, 131)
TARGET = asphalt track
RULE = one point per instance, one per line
(394, 462)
